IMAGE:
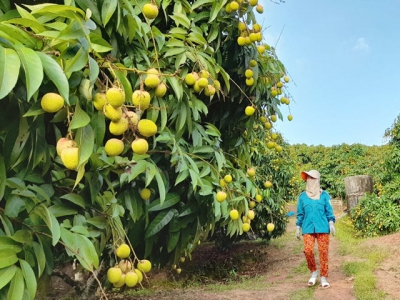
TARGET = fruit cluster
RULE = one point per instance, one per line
(202, 81)
(124, 273)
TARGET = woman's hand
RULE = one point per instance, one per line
(332, 228)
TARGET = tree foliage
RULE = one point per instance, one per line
(79, 49)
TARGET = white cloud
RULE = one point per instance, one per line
(361, 45)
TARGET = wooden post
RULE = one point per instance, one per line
(356, 187)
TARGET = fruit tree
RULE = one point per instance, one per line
(127, 131)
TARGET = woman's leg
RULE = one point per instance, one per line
(323, 249)
(309, 240)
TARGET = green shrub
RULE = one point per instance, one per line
(375, 216)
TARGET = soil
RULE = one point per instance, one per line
(277, 269)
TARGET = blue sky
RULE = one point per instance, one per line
(344, 60)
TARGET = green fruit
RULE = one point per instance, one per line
(145, 194)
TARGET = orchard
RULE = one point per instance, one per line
(130, 131)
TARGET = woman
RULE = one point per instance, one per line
(316, 220)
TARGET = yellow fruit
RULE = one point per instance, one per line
(221, 196)
(268, 184)
(246, 227)
(252, 204)
(259, 36)
(196, 87)
(112, 113)
(251, 214)
(204, 74)
(140, 146)
(245, 219)
(70, 157)
(147, 127)
(121, 281)
(182, 259)
(191, 78)
(125, 265)
(274, 92)
(114, 147)
(253, 37)
(263, 119)
(256, 28)
(249, 111)
(145, 194)
(217, 85)
(273, 118)
(150, 11)
(270, 144)
(115, 96)
(178, 270)
(123, 251)
(270, 227)
(139, 274)
(253, 2)
(234, 6)
(64, 143)
(242, 26)
(241, 40)
(209, 90)
(222, 183)
(114, 274)
(52, 102)
(249, 81)
(132, 118)
(251, 172)
(202, 82)
(253, 63)
(131, 279)
(99, 100)
(279, 84)
(268, 125)
(258, 199)
(228, 8)
(290, 117)
(118, 127)
(274, 136)
(228, 178)
(234, 214)
(141, 99)
(153, 71)
(144, 265)
(261, 49)
(260, 9)
(160, 90)
(248, 73)
(286, 79)
(278, 148)
(152, 81)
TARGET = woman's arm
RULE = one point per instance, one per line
(329, 210)
(300, 212)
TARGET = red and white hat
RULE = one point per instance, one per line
(312, 173)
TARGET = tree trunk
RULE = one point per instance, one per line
(356, 187)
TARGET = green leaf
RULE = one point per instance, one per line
(176, 86)
(33, 69)
(78, 62)
(40, 258)
(139, 168)
(197, 38)
(85, 140)
(201, 3)
(3, 174)
(170, 200)
(9, 70)
(81, 247)
(6, 275)
(55, 74)
(94, 70)
(174, 51)
(17, 286)
(92, 5)
(51, 222)
(125, 84)
(22, 37)
(99, 44)
(7, 243)
(216, 8)
(74, 198)
(173, 239)
(23, 237)
(60, 210)
(29, 276)
(108, 10)
(180, 19)
(14, 206)
(79, 119)
(8, 257)
(159, 222)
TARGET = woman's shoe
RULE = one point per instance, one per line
(313, 278)
(324, 283)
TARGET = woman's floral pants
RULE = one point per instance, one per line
(323, 249)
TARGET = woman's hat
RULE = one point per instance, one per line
(312, 173)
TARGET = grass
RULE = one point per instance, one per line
(366, 260)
